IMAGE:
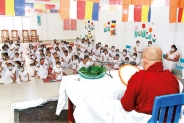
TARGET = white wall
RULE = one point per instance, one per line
(166, 33)
(52, 27)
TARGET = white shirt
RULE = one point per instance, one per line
(71, 53)
(17, 59)
(137, 60)
(23, 74)
(123, 57)
(74, 64)
(113, 53)
(96, 51)
(58, 70)
(85, 65)
(139, 48)
(89, 48)
(10, 73)
(81, 55)
(117, 63)
(105, 56)
(66, 58)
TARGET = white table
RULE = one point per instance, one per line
(90, 95)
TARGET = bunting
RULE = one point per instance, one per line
(136, 10)
(79, 9)
(176, 5)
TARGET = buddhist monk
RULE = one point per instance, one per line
(146, 84)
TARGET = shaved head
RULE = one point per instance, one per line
(153, 53)
(150, 56)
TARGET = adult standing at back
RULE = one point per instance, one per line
(138, 49)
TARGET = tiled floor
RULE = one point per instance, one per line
(32, 90)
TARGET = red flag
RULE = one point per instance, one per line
(81, 5)
(180, 14)
(2, 7)
(137, 13)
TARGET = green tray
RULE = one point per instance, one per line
(91, 77)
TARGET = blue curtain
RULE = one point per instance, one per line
(19, 6)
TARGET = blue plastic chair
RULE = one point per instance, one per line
(180, 66)
(128, 49)
(167, 101)
(163, 56)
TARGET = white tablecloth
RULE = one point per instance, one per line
(97, 101)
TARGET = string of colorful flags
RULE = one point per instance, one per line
(79, 9)
(176, 6)
(136, 10)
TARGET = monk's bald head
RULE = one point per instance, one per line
(153, 53)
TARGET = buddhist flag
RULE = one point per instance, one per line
(125, 13)
(9, 7)
(79, 9)
(2, 7)
(142, 13)
(131, 13)
(113, 24)
(181, 15)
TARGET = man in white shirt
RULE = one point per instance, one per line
(89, 48)
(138, 49)
(80, 54)
(65, 59)
(93, 43)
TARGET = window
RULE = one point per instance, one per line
(69, 24)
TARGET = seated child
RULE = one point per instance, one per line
(117, 61)
(85, 63)
(74, 63)
(9, 76)
(105, 56)
(23, 75)
(36, 68)
(58, 72)
(135, 59)
(42, 71)
(65, 59)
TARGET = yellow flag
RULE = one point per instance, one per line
(9, 7)
(182, 19)
(144, 16)
(88, 10)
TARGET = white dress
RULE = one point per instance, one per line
(58, 70)
(169, 65)
(6, 79)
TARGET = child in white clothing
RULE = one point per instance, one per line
(23, 75)
(58, 71)
(117, 61)
(74, 63)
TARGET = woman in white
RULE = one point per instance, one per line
(9, 76)
(117, 61)
(23, 75)
(105, 56)
(58, 72)
(171, 58)
(135, 59)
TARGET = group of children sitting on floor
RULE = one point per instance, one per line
(12, 62)
(84, 53)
